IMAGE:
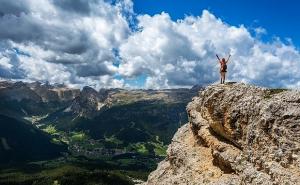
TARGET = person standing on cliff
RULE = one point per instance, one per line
(223, 68)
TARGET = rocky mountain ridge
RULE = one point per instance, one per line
(86, 102)
(140, 120)
(36, 91)
(237, 134)
(107, 129)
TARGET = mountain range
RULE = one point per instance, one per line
(126, 129)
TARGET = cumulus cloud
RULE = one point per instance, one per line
(182, 53)
(64, 41)
(105, 44)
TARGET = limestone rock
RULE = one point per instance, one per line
(237, 134)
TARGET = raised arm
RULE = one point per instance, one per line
(228, 58)
(218, 58)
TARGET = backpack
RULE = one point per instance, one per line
(223, 67)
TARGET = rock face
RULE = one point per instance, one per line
(237, 134)
(87, 103)
(36, 92)
(52, 93)
(17, 91)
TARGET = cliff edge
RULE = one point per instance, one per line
(237, 134)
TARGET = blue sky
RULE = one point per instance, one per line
(279, 17)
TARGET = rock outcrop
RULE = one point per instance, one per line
(237, 134)
(87, 103)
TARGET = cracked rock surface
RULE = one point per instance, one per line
(237, 134)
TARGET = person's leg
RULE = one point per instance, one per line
(224, 76)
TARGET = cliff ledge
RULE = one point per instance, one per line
(237, 134)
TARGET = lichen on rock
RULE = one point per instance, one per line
(237, 134)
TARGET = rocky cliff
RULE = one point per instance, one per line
(237, 134)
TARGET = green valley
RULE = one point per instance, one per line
(110, 136)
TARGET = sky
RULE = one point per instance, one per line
(149, 43)
(278, 17)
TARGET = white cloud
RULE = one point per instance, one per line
(79, 42)
(183, 53)
(64, 41)
(260, 31)
(5, 62)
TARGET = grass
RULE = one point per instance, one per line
(79, 170)
(65, 175)
(78, 136)
(140, 148)
(113, 139)
(160, 150)
(76, 170)
(50, 129)
(149, 148)
(55, 141)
